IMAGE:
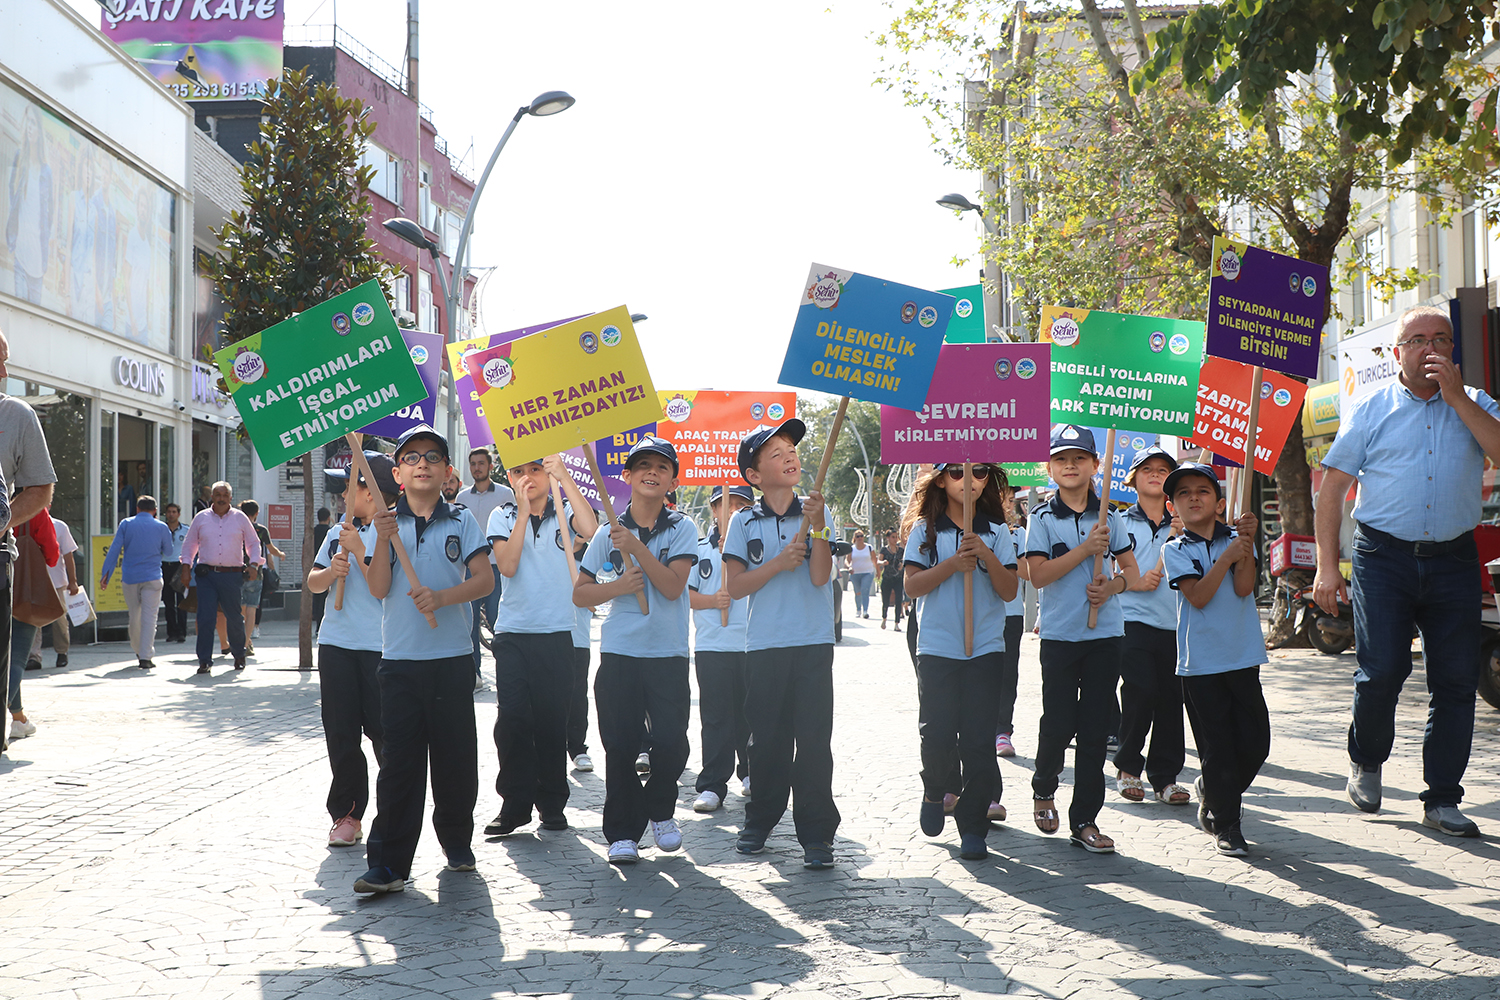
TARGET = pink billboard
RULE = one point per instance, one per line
(212, 50)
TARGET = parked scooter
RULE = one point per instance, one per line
(1326, 633)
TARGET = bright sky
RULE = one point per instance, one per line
(715, 152)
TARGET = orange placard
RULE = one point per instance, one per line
(706, 425)
(1223, 411)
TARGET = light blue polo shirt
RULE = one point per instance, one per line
(940, 612)
(1419, 467)
(1223, 635)
(440, 555)
(788, 610)
(1055, 528)
(583, 618)
(1016, 606)
(709, 635)
(350, 628)
(539, 598)
(1158, 608)
(627, 632)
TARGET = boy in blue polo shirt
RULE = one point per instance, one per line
(534, 624)
(789, 638)
(349, 650)
(719, 655)
(1220, 648)
(643, 658)
(1080, 665)
(426, 674)
(1150, 692)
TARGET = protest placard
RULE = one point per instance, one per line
(1265, 308)
(987, 403)
(477, 428)
(426, 351)
(579, 468)
(324, 372)
(1023, 475)
(967, 324)
(1223, 413)
(706, 426)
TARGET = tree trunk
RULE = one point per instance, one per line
(304, 609)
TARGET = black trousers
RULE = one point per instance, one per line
(533, 684)
(1150, 702)
(350, 690)
(1233, 731)
(956, 720)
(721, 708)
(320, 604)
(426, 713)
(891, 595)
(176, 617)
(627, 691)
(578, 703)
(789, 705)
(1078, 687)
(1010, 674)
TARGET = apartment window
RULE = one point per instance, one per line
(387, 179)
(426, 305)
(425, 207)
(401, 292)
(454, 226)
(1369, 304)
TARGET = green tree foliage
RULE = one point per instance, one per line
(300, 237)
(841, 488)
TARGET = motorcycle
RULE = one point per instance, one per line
(1328, 634)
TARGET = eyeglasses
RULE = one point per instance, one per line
(1440, 341)
(978, 472)
(434, 457)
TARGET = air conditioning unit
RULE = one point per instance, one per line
(406, 320)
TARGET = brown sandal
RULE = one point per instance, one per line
(1046, 817)
(1094, 843)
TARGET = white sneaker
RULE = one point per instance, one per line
(624, 852)
(643, 764)
(745, 786)
(706, 802)
(583, 762)
(20, 730)
(256, 633)
(667, 834)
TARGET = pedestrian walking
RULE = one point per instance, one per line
(173, 591)
(64, 577)
(141, 544)
(482, 499)
(892, 593)
(214, 553)
(860, 562)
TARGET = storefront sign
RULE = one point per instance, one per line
(987, 403)
(279, 521)
(1265, 308)
(706, 426)
(142, 376)
(206, 386)
(1367, 362)
(111, 598)
(202, 49)
(865, 338)
(1136, 373)
(1320, 411)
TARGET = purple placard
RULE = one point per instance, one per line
(1265, 308)
(475, 425)
(578, 465)
(427, 353)
(987, 403)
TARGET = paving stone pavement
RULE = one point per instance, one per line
(163, 836)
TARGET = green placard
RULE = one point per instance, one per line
(967, 324)
(1020, 475)
(325, 372)
(1137, 373)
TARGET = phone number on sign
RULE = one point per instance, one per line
(198, 91)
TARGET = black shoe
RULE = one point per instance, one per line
(556, 821)
(1232, 843)
(460, 860)
(204, 668)
(145, 664)
(503, 825)
(378, 880)
(239, 663)
(34, 664)
(750, 842)
(817, 856)
(62, 660)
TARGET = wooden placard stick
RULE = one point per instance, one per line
(396, 544)
(968, 574)
(1109, 475)
(1247, 481)
(609, 512)
(566, 530)
(723, 537)
(833, 439)
(355, 445)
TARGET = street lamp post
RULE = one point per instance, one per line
(869, 478)
(549, 103)
(959, 203)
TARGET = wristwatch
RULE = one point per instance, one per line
(826, 534)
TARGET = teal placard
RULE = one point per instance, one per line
(1136, 373)
(327, 371)
(967, 324)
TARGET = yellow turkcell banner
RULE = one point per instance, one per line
(111, 598)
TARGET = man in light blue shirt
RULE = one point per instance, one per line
(1417, 447)
(170, 571)
(145, 544)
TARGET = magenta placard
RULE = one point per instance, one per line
(987, 403)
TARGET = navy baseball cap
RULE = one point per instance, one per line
(744, 492)
(1070, 436)
(381, 467)
(793, 429)
(1141, 458)
(424, 431)
(1193, 469)
(650, 444)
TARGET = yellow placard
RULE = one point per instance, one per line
(1051, 314)
(565, 386)
(111, 598)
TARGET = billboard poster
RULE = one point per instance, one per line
(202, 50)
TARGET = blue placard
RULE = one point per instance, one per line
(866, 338)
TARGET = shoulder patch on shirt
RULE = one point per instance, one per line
(560, 543)
(450, 548)
(705, 568)
(755, 548)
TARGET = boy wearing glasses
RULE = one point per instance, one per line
(426, 674)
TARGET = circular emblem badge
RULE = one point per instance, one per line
(1309, 286)
(1294, 280)
(1229, 264)
(1281, 397)
(1025, 369)
(775, 410)
(1178, 343)
(757, 411)
(1265, 390)
(908, 312)
(825, 292)
(927, 317)
(963, 309)
(1002, 368)
(418, 353)
(341, 324)
(498, 373)
(678, 409)
(1158, 342)
(1065, 331)
(1138, 443)
(363, 313)
(249, 366)
(610, 336)
(589, 341)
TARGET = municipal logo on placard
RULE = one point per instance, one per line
(927, 317)
(824, 292)
(775, 411)
(1229, 264)
(963, 309)
(757, 411)
(1294, 280)
(589, 341)
(1002, 369)
(678, 409)
(498, 373)
(248, 366)
(341, 324)
(1158, 342)
(1025, 368)
(1265, 390)
(610, 336)
(1179, 343)
(1138, 443)
(418, 353)
(1309, 286)
(364, 314)
(1281, 397)
(1065, 331)
(908, 311)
